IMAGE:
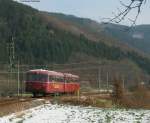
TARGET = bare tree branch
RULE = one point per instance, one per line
(123, 13)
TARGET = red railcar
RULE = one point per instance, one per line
(45, 82)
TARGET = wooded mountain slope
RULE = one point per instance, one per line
(39, 41)
(137, 36)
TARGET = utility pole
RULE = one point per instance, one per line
(99, 78)
(123, 82)
(107, 81)
(11, 55)
(18, 79)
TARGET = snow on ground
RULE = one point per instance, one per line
(50, 113)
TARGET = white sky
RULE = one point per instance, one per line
(94, 9)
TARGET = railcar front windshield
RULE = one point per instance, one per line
(36, 77)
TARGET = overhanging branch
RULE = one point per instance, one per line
(123, 13)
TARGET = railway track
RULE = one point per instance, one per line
(12, 105)
(10, 101)
(9, 106)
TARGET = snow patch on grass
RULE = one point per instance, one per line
(50, 113)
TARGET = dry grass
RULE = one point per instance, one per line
(18, 106)
(139, 98)
(86, 101)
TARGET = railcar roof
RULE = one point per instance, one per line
(39, 70)
(52, 73)
(71, 75)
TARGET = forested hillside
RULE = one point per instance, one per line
(137, 36)
(40, 42)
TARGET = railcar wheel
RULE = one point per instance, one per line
(56, 94)
(44, 94)
(34, 94)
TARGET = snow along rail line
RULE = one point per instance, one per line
(54, 113)
(12, 105)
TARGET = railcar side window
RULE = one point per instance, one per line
(67, 80)
(36, 77)
(59, 79)
(52, 78)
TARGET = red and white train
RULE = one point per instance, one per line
(44, 82)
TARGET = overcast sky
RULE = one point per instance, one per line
(94, 9)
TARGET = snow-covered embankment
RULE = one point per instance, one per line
(49, 113)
